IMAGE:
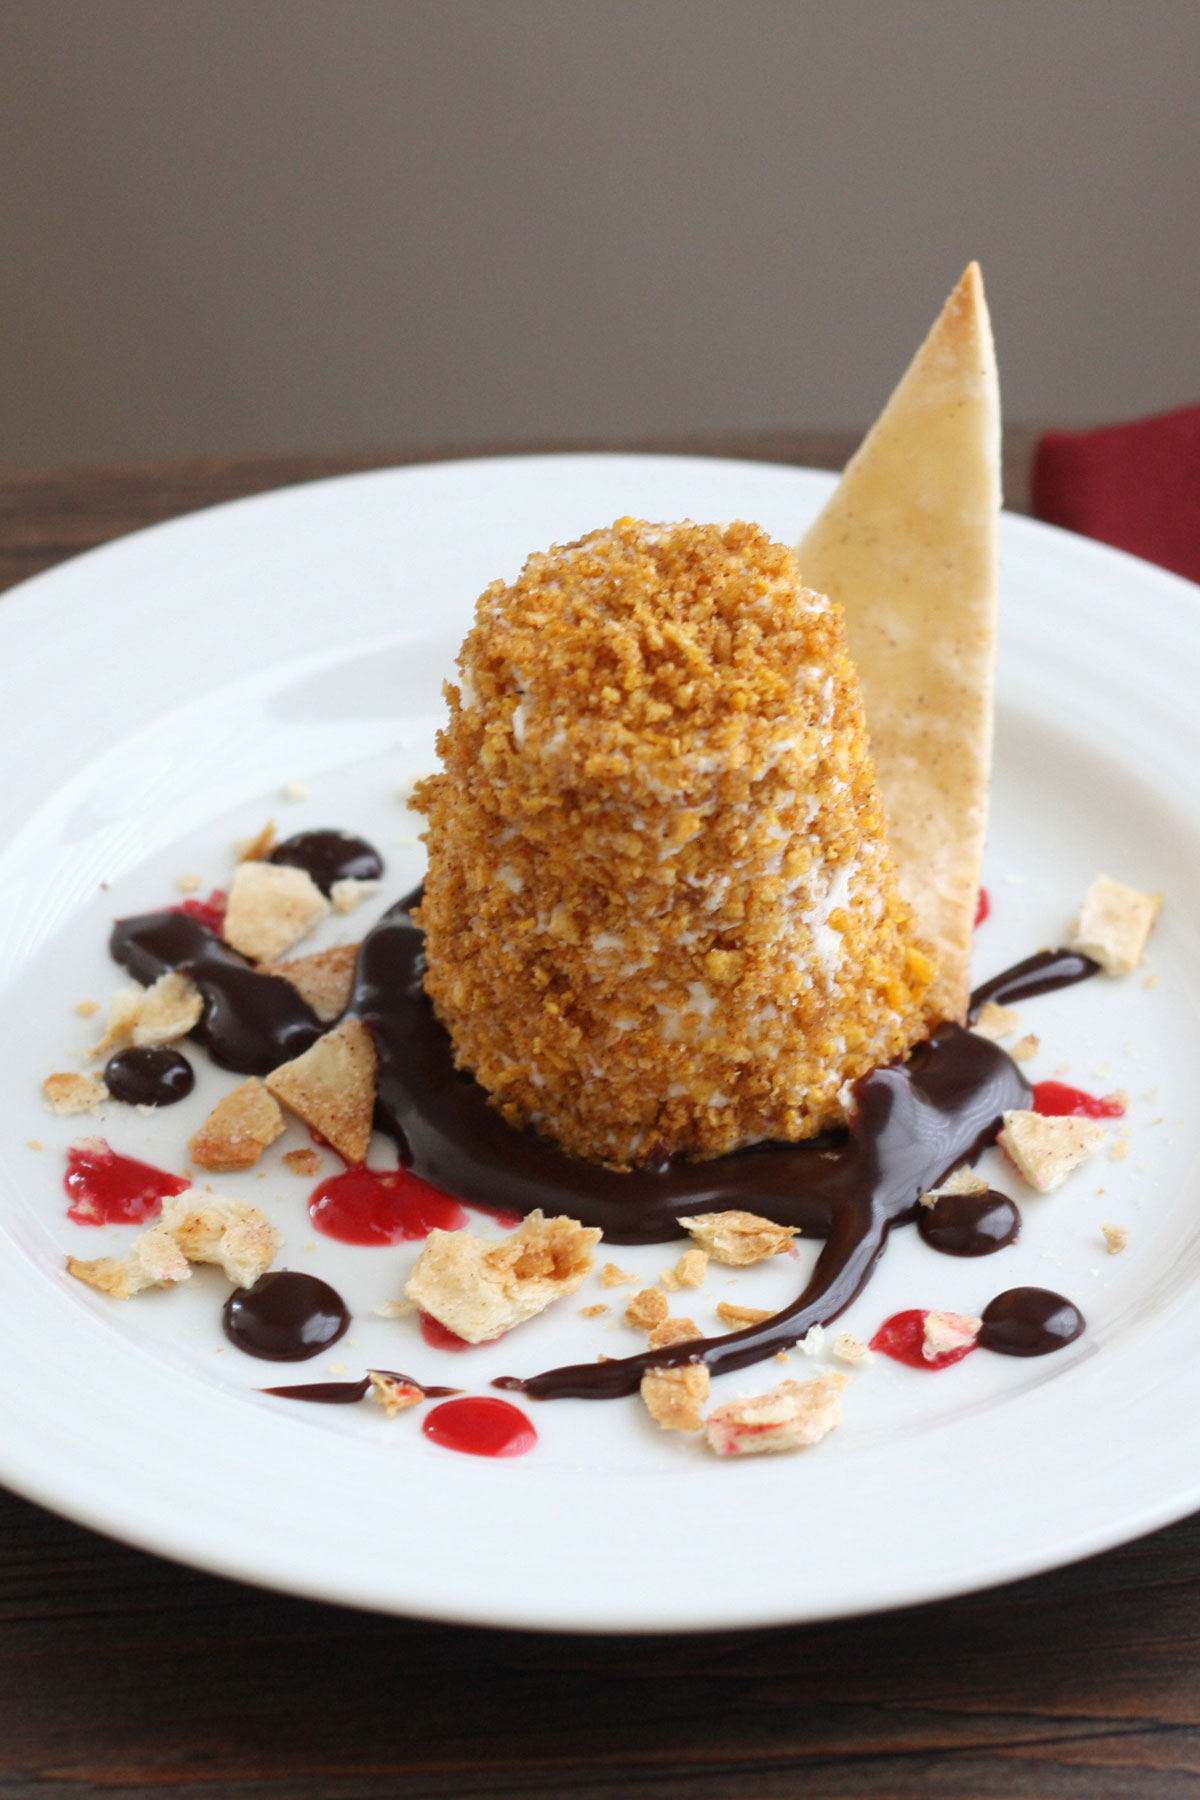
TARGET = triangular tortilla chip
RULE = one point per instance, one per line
(907, 544)
(332, 1088)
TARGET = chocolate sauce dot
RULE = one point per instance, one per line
(330, 856)
(285, 1317)
(1030, 1321)
(969, 1224)
(149, 1075)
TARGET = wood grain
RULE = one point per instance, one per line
(121, 1674)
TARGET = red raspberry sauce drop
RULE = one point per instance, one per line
(480, 1427)
(983, 908)
(107, 1189)
(902, 1336)
(382, 1206)
(210, 913)
(1055, 1100)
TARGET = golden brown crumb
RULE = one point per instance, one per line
(394, 1394)
(69, 1093)
(303, 1162)
(324, 980)
(187, 884)
(479, 1289)
(87, 1009)
(996, 1022)
(332, 1088)
(238, 1129)
(611, 1276)
(738, 1239)
(1115, 1238)
(33, 1143)
(594, 1312)
(1119, 1151)
(258, 847)
(271, 907)
(647, 1309)
(675, 1397)
(732, 1314)
(674, 1331)
(691, 1268)
(660, 911)
(1026, 1048)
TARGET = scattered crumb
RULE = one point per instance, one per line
(387, 1309)
(738, 1239)
(238, 1129)
(1115, 1238)
(674, 1331)
(1026, 1048)
(350, 892)
(332, 1088)
(594, 1312)
(691, 1268)
(295, 790)
(87, 1009)
(675, 1397)
(271, 907)
(849, 1349)
(1115, 922)
(647, 1309)
(187, 884)
(996, 1022)
(393, 1394)
(813, 1341)
(303, 1162)
(964, 1180)
(258, 847)
(1045, 1151)
(33, 1143)
(1151, 981)
(70, 1094)
(480, 1289)
(323, 981)
(611, 1276)
(743, 1315)
(792, 1416)
(669, 1281)
(781, 1356)
(947, 1331)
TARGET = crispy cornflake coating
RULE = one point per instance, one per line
(69, 1093)
(675, 1397)
(738, 1239)
(238, 1129)
(647, 1309)
(791, 1417)
(271, 907)
(332, 1088)
(394, 1394)
(1115, 923)
(1045, 1151)
(480, 1289)
(660, 913)
(324, 980)
(153, 1015)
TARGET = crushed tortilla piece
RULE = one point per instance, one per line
(87, 1009)
(964, 1180)
(324, 980)
(238, 1129)
(674, 1331)
(1114, 925)
(611, 1276)
(303, 1162)
(187, 884)
(258, 847)
(332, 1088)
(271, 907)
(479, 1289)
(849, 1349)
(394, 1394)
(738, 1239)
(996, 1022)
(350, 892)
(69, 1093)
(1025, 1048)
(1115, 1238)
(195, 1226)
(148, 1016)
(594, 1312)
(1046, 1150)
(793, 1416)
(647, 1309)
(675, 1397)
(731, 1314)
(153, 1259)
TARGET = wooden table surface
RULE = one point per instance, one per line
(120, 1673)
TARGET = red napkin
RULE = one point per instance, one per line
(1136, 486)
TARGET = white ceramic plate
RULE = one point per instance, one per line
(160, 693)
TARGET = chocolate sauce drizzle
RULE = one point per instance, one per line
(914, 1123)
(329, 856)
(345, 1393)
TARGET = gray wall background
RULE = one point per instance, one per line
(315, 224)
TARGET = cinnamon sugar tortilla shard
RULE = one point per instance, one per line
(332, 1088)
(792, 1416)
(479, 1289)
(238, 1129)
(271, 907)
(907, 544)
(195, 1227)
(324, 980)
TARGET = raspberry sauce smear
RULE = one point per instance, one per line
(107, 1189)
(382, 1206)
(478, 1425)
